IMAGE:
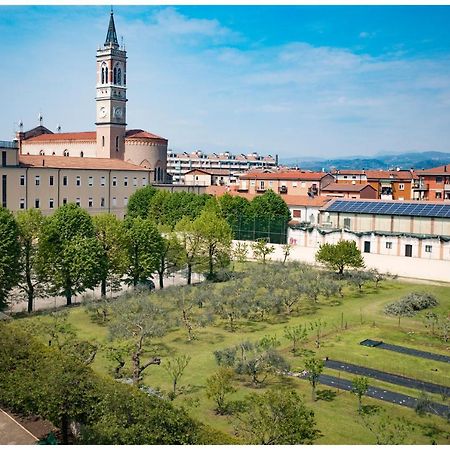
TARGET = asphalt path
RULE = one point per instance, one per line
(388, 377)
(381, 394)
(413, 352)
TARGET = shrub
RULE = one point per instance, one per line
(411, 304)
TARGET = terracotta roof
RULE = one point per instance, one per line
(285, 175)
(228, 172)
(82, 136)
(71, 162)
(346, 187)
(441, 170)
(141, 134)
(305, 200)
(347, 172)
(390, 174)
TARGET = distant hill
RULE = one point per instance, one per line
(422, 160)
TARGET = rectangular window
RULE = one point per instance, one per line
(64, 201)
(51, 203)
(428, 248)
(22, 203)
(22, 180)
(401, 187)
(125, 181)
(438, 179)
(389, 245)
(36, 203)
(50, 180)
(347, 222)
(90, 202)
(37, 180)
(4, 187)
(270, 183)
(144, 181)
(252, 182)
(114, 201)
(102, 202)
(4, 159)
(114, 181)
(78, 201)
(294, 184)
(134, 181)
(78, 181)
(64, 180)
(345, 177)
(91, 181)
(297, 213)
(438, 195)
(125, 201)
(102, 181)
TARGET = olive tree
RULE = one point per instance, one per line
(340, 256)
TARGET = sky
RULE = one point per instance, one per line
(297, 81)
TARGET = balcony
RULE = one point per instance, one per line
(447, 187)
(283, 190)
(261, 189)
(420, 186)
(242, 189)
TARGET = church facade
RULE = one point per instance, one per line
(98, 169)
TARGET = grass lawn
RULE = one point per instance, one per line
(348, 321)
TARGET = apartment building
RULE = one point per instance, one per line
(178, 164)
(210, 177)
(432, 184)
(346, 190)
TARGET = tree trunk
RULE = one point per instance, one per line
(161, 279)
(211, 265)
(65, 429)
(103, 288)
(189, 273)
(68, 296)
(30, 286)
(30, 299)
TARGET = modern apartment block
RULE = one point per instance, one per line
(432, 184)
(178, 164)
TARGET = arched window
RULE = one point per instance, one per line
(115, 75)
(159, 173)
(66, 152)
(81, 154)
(117, 143)
(106, 75)
(41, 152)
(119, 76)
(103, 75)
(124, 79)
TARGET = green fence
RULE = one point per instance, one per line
(253, 228)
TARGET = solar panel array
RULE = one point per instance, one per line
(391, 208)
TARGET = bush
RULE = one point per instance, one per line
(411, 304)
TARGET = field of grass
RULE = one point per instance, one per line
(348, 321)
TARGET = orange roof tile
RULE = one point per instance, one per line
(141, 134)
(71, 162)
(285, 175)
(441, 170)
(346, 187)
(81, 136)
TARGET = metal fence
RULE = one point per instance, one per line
(253, 228)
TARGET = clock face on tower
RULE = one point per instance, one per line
(118, 112)
(102, 112)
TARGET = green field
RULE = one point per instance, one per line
(348, 321)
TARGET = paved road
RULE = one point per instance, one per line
(413, 352)
(388, 377)
(12, 433)
(381, 394)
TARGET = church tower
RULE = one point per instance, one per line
(111, 96)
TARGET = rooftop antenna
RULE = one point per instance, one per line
(41, 119)
(21, 125)
(58, 128)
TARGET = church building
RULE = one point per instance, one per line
(98, 169)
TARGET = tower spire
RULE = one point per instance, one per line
(111, 37)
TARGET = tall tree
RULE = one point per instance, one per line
(9, 255)
(219, 386)
(277, 417)
(170, 256)
(145, 244)
(360, 386)
(314, 367)
(70, 257)
(233, 208)
(271, 206)
(140, 202)
(340, 256)
(110, 233)
(216, 237)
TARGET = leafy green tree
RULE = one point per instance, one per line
(233, 208)
(175, 367)
(277, 417)
(340, 256)
(191, 243)
(145, 245)
(216, 237)
(9, 255)
(314, 367)
(240, 252)
(261, 249)
(140, 202)
(360, 386)
(286, 252)
(219, 386)
(70, 257)
(170, 256)
(158, 206)
(110, 233)
(296, 334)
(270, 205)
(359, 278)
(30, 223)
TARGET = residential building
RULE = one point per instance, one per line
(346, 190)
(178, 164)
(209, 177)
(432, 184)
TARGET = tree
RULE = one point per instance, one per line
(30, 223)
(140, 202)
(286, 252)
(216, 237)
(277, 417)
(340, 256)
(360, 385)
(271, 206)
(170, 256)
(233, 207)
(110, 233)
(318, 327)
(175, 367)
(360, 277)
(190, 242)
(219, 386)
(314, 368)
(145, 245)
(261, 250)
(9, 255)
(296, 334)
(70, 257)
(240, 252)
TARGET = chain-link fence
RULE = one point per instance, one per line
(252, 228)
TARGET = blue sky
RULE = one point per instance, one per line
(298, 81)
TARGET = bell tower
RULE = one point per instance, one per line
(111, 96)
